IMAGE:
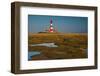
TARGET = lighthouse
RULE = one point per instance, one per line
(51, 28)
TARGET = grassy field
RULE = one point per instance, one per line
(70, 46)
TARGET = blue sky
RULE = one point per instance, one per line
(64, 24)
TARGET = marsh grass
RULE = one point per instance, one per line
(70, 46)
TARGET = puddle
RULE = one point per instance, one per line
(45, 44)
(33, 53)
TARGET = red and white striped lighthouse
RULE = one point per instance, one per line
(51, 29)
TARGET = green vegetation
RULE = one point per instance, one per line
(70, 46)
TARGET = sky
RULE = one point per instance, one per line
(64, 24)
